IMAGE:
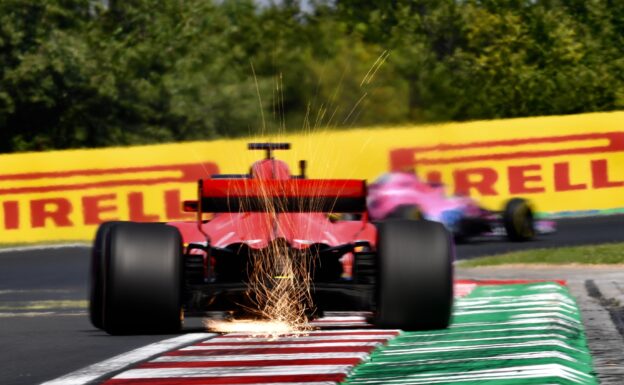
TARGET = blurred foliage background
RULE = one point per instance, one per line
(84, 73)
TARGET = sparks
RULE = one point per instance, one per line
(251, 327)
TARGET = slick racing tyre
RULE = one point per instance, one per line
(406, 212)
(518, 220)
(142, 279)
(96, 275)
(414, 275)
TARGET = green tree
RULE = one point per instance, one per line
(75, 74)
(42, 70)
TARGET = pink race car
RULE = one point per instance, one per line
(404, 195)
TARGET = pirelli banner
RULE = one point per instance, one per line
(566, 165)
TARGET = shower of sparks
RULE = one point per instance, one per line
(251, 327)
(279, 280)
(279, 277)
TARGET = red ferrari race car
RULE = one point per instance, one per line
(146, 276)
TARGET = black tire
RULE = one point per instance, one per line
(518, 220)
(406, 212)
(143, 279)
(96, 276)
(414, 275)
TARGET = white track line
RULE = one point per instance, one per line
(303, 338)
(280, 345)
(260, 357)
(104, 368)
(44, 247)
(41, 314)
(235, 371)
(376, 332)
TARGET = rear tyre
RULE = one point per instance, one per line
(406, 212)
(518, 220)
(96, 276)
(143, 275)
(414, 275)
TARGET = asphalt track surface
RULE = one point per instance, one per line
(41, 341)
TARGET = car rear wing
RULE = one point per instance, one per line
(292, 195)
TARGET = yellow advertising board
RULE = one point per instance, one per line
(563, 164)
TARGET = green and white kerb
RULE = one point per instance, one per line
(500, 335)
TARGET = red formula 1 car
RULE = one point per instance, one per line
(146, 276)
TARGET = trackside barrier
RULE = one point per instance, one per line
(563, 164)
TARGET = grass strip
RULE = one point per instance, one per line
(604, 254)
